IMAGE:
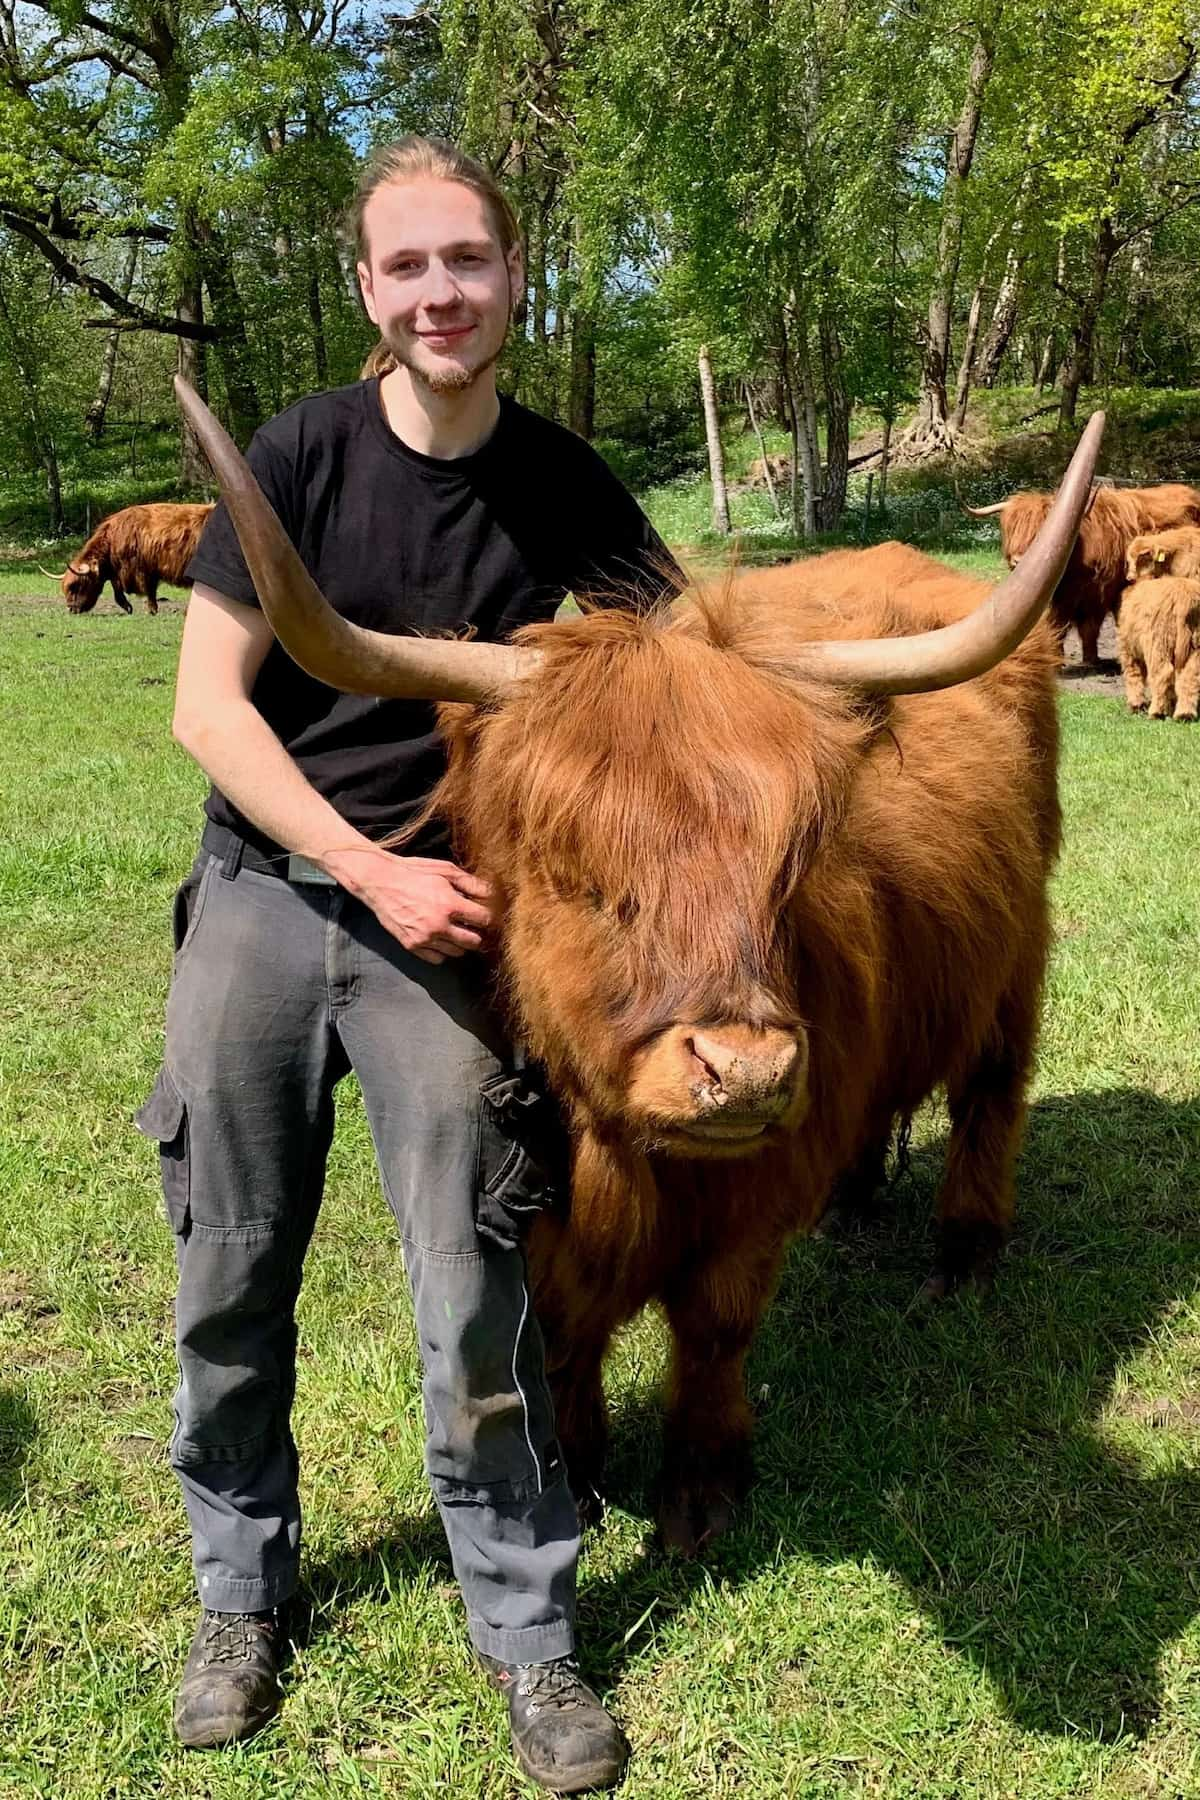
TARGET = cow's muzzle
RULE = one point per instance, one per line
(720, 1089)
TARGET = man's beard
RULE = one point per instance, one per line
(449, 380)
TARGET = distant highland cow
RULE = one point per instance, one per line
(134, 549)
(1095, 576)
(1159, 635)
(1164, 553)
(778, 466)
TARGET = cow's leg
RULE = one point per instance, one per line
(1089, 640)
(581, 1416)
(855, 1197)
(987, 1111)
(1162, 687)
(151, 595)
(1187, 688)
(1134, 671)
(119, 596)
(707, 1464)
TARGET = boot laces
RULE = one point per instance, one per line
(233, 1637)
(557, 1685)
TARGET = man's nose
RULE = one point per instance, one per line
(440, 287)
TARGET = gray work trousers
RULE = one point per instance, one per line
(278, 990)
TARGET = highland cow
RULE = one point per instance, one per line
(760, 891)
(134, 549)
(1159, 635)
(1164, 553)
(1095, 576)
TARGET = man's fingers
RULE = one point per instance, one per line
(466, 883)
(459, 937)
(468, 913)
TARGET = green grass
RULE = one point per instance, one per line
(971, 1566)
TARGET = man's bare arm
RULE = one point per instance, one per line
(434, 908)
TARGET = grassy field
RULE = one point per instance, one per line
(971, 1566)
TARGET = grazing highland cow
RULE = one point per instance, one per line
(777, 466)
(761, 890)
(1164, 553)
(1095, 575)
(1159, 635)
(135, 549)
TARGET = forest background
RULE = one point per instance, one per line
(831, 208)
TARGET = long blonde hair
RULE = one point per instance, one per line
(413, 158)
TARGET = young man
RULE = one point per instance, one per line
(421, 501)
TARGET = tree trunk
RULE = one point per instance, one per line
(245, 412)
(932, 429)
(93, 424)
(43, 437)
(1078, 365)
(716, 455)
(582, 409)
(807, 449)
(192, 363)
(1045, 368)
(837, 424)
(762, 450)
(885, 453)
(1004, 319)
(316, 315)
(966, 367)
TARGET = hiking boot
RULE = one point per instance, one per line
(561, 1735)
(230, 1687)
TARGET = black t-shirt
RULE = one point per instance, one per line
(398, 541)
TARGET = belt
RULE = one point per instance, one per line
(235, 853)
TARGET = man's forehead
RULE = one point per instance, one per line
(425, 214)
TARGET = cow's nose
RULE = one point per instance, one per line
(748, 1070)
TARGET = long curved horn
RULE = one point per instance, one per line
(61, 576)
(972, 646)
(982, 512)
(343, 655)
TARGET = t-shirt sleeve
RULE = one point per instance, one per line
(624, 561)
(218, 561)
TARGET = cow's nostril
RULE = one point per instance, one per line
(712, 1075)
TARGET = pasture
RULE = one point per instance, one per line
(971, 1566)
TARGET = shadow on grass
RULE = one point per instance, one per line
(18, 1428)
(975, 1450)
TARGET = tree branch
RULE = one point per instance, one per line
(74, 230)
(99, 289)
(107, 29)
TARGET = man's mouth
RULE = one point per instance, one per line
(438, 340)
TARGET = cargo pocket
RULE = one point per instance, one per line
(524, 1157)
(164, 1118)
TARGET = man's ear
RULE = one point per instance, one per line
(366, 289)
(516, 276)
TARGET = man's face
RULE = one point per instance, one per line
(437, 283)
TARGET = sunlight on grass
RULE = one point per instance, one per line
(969, 1568)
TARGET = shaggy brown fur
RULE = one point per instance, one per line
(680, 827)
(1159, 632)
(135, 549)
(1095, 576)
(1164, 553)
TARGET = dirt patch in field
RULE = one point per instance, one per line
(1104, 677)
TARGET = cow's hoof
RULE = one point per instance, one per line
(696, 1509)
(968, 1251)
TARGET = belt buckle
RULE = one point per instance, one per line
(299, 869)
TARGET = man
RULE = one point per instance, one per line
(422, 501)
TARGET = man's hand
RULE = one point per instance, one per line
(434, 908)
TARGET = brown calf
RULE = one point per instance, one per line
(1159, 634)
